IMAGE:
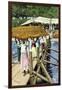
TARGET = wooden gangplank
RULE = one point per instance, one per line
(19, 79)
(17, 75)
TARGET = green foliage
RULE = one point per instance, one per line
(18, 21)
(20, 10)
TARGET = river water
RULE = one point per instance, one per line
(53, 69)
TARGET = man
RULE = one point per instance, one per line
(18, 49)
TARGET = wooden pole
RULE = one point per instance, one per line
(46, 73)
(38, 69)
(31, 68)
(30, 62)
(38, 60)
(44, 57)
(42, 64)
(35, 78)
(40, 76)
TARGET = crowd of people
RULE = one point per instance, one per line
(29, 45)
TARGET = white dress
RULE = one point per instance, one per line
(24, 58)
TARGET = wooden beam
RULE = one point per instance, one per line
(35, 78)
(31, 69)
(45, 71)
(30, 62)
(40, 76)
(38, 62)
(38, 69)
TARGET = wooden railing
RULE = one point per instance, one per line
(41, 65)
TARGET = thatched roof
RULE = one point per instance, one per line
(24, 32)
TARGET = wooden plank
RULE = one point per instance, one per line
(20, 79)
(40, 76)
(17, 75)
(16, 69)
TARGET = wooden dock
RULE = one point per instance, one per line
(17, 75)
(18, 78)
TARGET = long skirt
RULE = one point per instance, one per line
(24, 62)
(34, 52)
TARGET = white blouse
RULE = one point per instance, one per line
(23, 48)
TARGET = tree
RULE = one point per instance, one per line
(25, 11)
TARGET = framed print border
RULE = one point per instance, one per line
(10, 44)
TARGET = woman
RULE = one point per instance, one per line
(34, 51)
(42, 46)
(24, 58)
(30, 43)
